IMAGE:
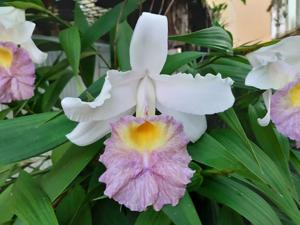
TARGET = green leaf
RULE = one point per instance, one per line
(80, 19)
(39, 133)
(70, 41)
(210, 152)
(87, 69)
(4, 113)
(31, 204)
(73, 208)
(6, 212)
(150, 217)
(226, 152)
(123, 42)
(234, 67)
(28, 136)
(241, 199)
(51, 96)
(229, 217)
(38, 2)
(272, 182)
(109, 212)
(6, 172)
(184, 213)
(178, 60)
(213, 37)
(108, 21)
(67, 168)
(295, 160)
(231, 119)
(273, 144)
(25, 4)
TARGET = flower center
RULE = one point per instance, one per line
(145, 137)
(6, 57)
(294, 95)
(145, 98)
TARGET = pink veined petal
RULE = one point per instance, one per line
(149, 44)
(5, 93)
(21, 90)
(168, 194)
(284, 115)
(164, 166)
(17, 82)
(140, 179)
(126, 168)
(146, 192)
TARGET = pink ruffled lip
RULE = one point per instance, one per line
(284, 114)
(139, 179)
(17, 81)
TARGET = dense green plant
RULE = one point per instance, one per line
(244, 173)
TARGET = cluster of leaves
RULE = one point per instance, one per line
(244, 173)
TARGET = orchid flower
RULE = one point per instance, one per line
(146, 156)
(274, 67)
(14, 28)
(16, 73)
(18, 54)
(188, 99)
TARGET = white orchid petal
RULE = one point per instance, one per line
(276, 65)
(262, 56)
(194, 125)
(267, 95)
(86, 133)
(118, 95)
(10, 16)
(35, 54)
(18, 34)
(288, 50)
(271, 76)
(195, 95)
(149, 43)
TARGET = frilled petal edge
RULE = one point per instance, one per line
(117, 96)
(199, 95)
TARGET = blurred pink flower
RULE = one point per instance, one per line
(285, 110)
(16, 73)
(147, 162)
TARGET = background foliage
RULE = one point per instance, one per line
(245, 174)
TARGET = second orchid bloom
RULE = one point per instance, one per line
(277, 67)
(18, 53)
(146, 156)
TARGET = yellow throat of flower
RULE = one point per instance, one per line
(6, 57)
(145, 137)
(294, 95)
